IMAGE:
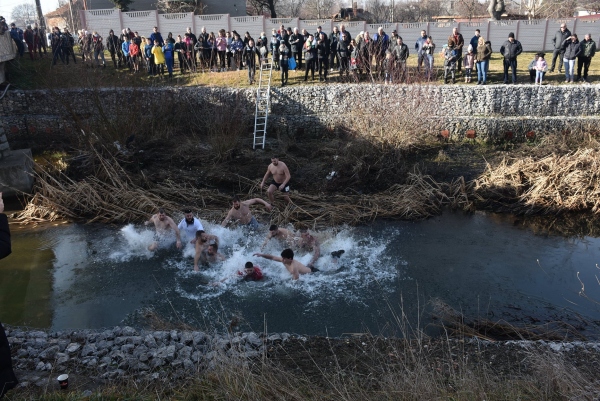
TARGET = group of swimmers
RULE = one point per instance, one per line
(207, 245)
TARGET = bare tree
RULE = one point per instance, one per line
(23, 15)
(470, 8)
(260, 6)
(318, 8)
(554, 8)
(378, 11)
(290, 8)
(417, 11)
(181, 6)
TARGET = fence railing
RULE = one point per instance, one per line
(535, 35)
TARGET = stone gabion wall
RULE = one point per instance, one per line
(4, 147)
(126, 352)
(490, 111)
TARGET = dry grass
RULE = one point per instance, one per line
(551, 184)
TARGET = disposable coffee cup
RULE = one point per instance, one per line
(63, 381)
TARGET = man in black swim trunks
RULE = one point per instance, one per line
(281, 179)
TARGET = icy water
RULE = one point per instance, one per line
(92, 276)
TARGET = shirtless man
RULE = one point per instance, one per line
(203, 241)
(281, 179)
(280, 233)
(241, 212)
(293, 266)
(163, 225)
(309, 243)
(209, 255)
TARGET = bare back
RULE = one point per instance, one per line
(296, 269)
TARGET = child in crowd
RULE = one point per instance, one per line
(284, 56)
(125, 49)
(222, 49)
(541, 66)
(469, 62)
(134, 53)
(159, 57)
(388, 66)
(169, 52)
(149, 57)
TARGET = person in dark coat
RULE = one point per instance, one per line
(296, 41)
(8, 379)
(559, 38)
(310, 55)
(323, 56)
(249, 56)
(343, 55)
(511, 50)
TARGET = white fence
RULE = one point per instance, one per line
(535, 35)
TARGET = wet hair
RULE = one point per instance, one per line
(199, 233)
(273, 227)
(215, 246)
(235, 199)
(187, 211)
(287, 254)
(249, 265)
(275, 157)
(161, 211)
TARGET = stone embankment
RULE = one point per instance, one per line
(491, 111)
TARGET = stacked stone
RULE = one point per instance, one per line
(124, 352)
(4, 148)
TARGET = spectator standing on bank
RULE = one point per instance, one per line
(323, 56)
(228, 54)
(393, 40)
(168, 51)
(159, 58)
(212, 42)
(388, 67)
(237, 47)
(475, 40)
(450, 60)
(17, 36)
(366, 48)
(310, 55)
(459, 42)
(70, 40)
(249, 56)
(334, 38)
(296, 42)
(57, 46)
(344, 31)
(469, 63)
(134, 54)
(572, 51)
(429, 53)
(274, 48)
(419, 48)
(483, 55)
(112, 45)
(222, 49)
(511, 50)
(40, 33)
(343, 56)
(180, 48)
(151, 67)
(400, 54)
(29, 36)
(155, 35)
(588, 50)
(284, 56)
(532, 68)
(381, 43)
(559, 38)
(541, 66)
(98, 49)
(125, 50)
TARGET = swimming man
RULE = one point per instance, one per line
(203, 241)
(251, 273)
(280, 233)
(281, 179)
(241, 212)
(293, 266)
(209, 255)
(163, 225)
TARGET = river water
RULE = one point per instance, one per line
(93, 276)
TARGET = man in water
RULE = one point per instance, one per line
(309, 243)
(203, 241)
(280, 233)
(281, 179)
(293, 266)
(241, 212)
(163, 225)
(209, 255)
(190, 226)
(251, 273)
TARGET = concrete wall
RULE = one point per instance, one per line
(30, 116)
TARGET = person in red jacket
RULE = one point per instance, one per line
(251, 273)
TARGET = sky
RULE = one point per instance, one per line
(6, 6)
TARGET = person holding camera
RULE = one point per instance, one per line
(572, 50)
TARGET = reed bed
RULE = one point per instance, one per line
(551, 184)
(110, 196)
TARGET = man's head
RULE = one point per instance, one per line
(155, 29)
(111, 32)
(287, 255)
(273, 229)
(454, 30)
(477, 32)
(511, 37)
(275, 158)
(282, 27)
(335, 29)
(343, 28)
(249, 268)
(304, 233)
(563, 27)
(236, 202)
(137, 35)
(212, 249)
(319, 28)
(203, 29)
(423, 34)
(251, 42)
(322, 36)
(189, 216)
(296, 31)
(574, 37)
(588, 37)
(380, 30)
(189, 29)
(399, 40)
(161, 214)
(201, 236)
(156, 42)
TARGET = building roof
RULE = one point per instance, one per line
(59, 12)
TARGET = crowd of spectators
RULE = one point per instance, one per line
(380, 57)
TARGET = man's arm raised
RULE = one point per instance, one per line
(258, 200)
(270, 257)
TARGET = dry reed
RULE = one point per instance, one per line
(552, 184)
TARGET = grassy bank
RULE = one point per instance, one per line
(40, 74)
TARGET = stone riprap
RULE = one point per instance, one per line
(491, 110)
(127, 352)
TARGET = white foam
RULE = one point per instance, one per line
(135, 245)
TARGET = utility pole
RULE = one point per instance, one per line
(71, 13)
(392, 13)
(38, 7)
